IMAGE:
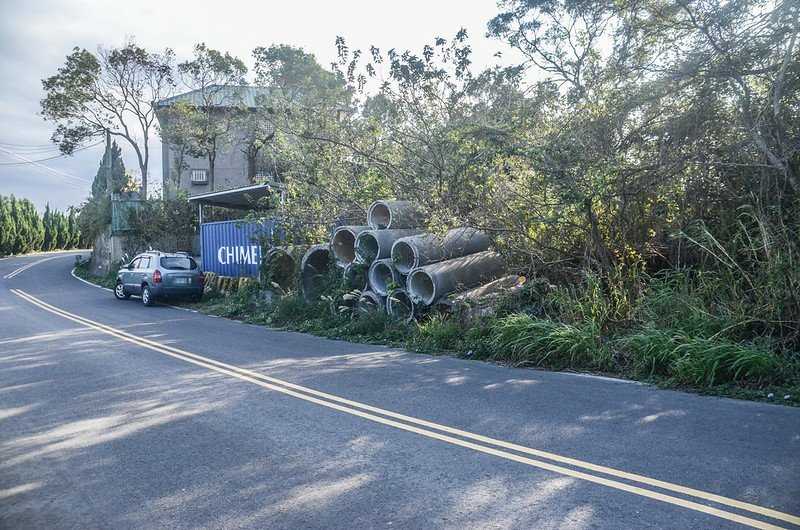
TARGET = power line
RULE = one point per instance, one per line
(42, 146)
(28, 161)
(63, 176)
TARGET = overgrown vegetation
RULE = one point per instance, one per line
(641, 163)
(553, 328)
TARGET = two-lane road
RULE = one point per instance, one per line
(114, 415)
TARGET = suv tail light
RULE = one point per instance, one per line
(156, 276)
(202, 277)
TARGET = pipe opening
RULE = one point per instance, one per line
(280, 268)
(399, 305)
(380, 217)
(355, 276)
(403, 257)
(343, 244)
(316, 263)
(421, 288)
(370, 302)
(380, 275)
(366, 247)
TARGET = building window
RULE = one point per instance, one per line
(199, 176)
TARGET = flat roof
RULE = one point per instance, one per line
(244, 198)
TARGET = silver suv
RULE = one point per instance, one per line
(155, 274)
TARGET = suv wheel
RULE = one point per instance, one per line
(119, 292)
(147, 298)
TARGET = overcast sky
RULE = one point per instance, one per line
(37, 35)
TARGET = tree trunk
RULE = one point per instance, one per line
(600, 247)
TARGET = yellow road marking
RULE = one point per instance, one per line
(26, 267)
(338, 403)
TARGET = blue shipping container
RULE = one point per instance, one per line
(230, 248)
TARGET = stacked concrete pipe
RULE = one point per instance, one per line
(280, 265)
(411, 252)
(373, 245)
(313, 267)
(343, 243)
(429, 283)
(382, 275)
(371, 302)
(479, 297)
(355, 276)
(400, 306)
(387, 215)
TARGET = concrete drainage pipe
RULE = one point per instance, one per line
(371, 302)
(400, 306)
(313, 267)
(377, 244)
(280, 267)
(428, 284)
(355, 276)
(343, 243)
(415, 251)
(383, 215)
(383, 277)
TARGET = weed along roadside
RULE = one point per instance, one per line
(467, 303)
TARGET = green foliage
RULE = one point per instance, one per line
(23, 230)
(109, 280)
(654, 350)
(29, 235)
(8, 226)
(119, 176)
(204, 124)
(115, 91)
(95, 214)
(169, 225)
(525, 341)
(705, 362)
(439, 333)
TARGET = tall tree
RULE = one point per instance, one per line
(50, 229)
(113, 90)
(8, 228)
(74, 232)
(119, 176)
(30, 229)
(202, 124)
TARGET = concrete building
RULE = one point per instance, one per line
(239, 134)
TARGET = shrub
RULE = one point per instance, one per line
(705, 362)
(523, 340)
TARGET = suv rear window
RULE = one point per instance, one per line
(178, 263)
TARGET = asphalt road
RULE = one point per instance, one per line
(114, 415)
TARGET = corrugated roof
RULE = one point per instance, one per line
(221, 96)
(241, 198)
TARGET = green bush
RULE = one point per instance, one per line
(525, 341)
(705, 362)
(653, 350)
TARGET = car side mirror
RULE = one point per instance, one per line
(130, 266)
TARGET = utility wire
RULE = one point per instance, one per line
(41, 146)
(28, 161)
(63, 176)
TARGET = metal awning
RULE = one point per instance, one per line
(244, 198)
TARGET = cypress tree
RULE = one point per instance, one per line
(118, 174)
(61, 230)
(8, 228)
(72, 229)
(49, 242)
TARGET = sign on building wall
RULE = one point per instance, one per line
(230, 248)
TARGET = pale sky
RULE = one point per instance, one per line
(37, 35)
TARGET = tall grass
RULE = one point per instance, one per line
(526, 341)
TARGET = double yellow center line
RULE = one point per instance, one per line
(26, 267)
(637, 484)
